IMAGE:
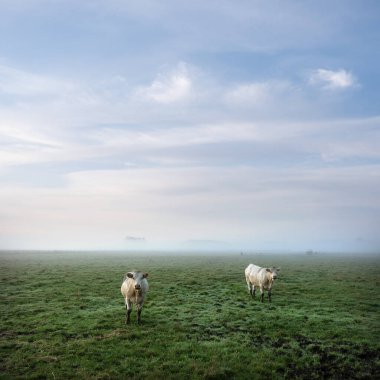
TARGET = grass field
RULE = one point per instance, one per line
(62, 317)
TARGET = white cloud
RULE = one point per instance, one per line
(195, 134)
(332, 80)
(337, 141)
(168, 88)
(23, 83)
(258, 94)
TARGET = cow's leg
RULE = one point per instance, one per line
(128, 311)
(139, 308)
(262, 293)
(253, 291)
(270, 295)
(248, 285)
(249, 288)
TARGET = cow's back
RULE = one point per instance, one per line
(252, 268)
(258, 276)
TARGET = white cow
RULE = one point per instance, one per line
(261, 277)
(134, 288)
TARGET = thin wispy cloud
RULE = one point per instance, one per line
(31, 86)
(332, 80)
(257, 94)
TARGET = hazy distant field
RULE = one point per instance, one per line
(62, 316)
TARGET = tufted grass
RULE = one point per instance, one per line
(62, 316)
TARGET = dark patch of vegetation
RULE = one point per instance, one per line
(62, 316)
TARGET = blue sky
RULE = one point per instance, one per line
(203, 124)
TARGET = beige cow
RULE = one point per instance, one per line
(262, 278)
(134, 289)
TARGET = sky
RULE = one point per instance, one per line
(213, 124)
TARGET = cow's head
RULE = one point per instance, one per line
(137, 277)
(273, 272)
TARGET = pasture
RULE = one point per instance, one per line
(62, 317)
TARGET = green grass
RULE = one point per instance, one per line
(62, 316)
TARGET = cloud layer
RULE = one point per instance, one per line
(147, 119)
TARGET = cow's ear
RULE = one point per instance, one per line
(130, 274)
(145, 275)
(268, 270)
